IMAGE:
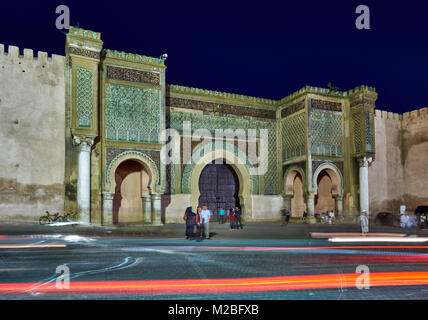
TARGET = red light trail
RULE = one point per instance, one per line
(213, 286)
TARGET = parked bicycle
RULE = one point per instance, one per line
(49, 218)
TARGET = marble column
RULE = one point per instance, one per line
(83, 145)
(339, 205)
(364, 183)
(147, 209)
(108, 208)
(310, 207)
(156, 209)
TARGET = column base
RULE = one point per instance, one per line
(311, 220)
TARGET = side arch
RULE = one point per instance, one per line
(140, 157)
(335, 176)
(289, 179)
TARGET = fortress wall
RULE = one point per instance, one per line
(386, 178)
(415, 157)
(32, 126)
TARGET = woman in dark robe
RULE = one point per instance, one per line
(189, 217)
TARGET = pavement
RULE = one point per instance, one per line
(251, 230)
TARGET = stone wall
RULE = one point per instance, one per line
(386, 181)
(32, 126)
(414, 157)
(399, 174)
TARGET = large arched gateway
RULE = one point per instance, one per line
(218, 186)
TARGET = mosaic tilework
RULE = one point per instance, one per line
(84, 96)
(326, 133)
(132, 113)
(357, 125)
(220, 108)
(326, 105)
(126, 74)
(292, 109)
(293, 136)
(212, 122)
(84, 52)
(369, 132)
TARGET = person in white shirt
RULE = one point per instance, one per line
(331, 217)
(406, 223)
(205, 216)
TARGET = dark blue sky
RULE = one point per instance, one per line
(265, 49)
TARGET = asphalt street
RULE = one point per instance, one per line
(254, 263)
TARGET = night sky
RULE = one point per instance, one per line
(257, 48)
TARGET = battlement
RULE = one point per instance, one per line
(325, 91)
(418, 113)
(132, 57)
(269, 102)
(85, 33)
(13, 52)
(387, 115)
(213, 93)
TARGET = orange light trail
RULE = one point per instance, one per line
(29, 246)
(191, 286)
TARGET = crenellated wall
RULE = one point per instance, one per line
(399, 175)
(32, 116)
(414, 157)
(386, 172)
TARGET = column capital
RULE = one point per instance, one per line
(108, 195)
(310, 195)
(338, 196)
(156, 196)
(364, 161)
(160, 189)
(287, 196)
(83, 143)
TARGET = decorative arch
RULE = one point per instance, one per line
(140, 157)
(289, 176)
(246, 180)
(208, 151)
(335, 176)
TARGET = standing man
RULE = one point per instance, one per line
(238, 219)
(405, 223)
(221, 215)
(205, 216)
(364, 223)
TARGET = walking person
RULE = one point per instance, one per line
(221, 215)
(205, 217)
(405, 223)
(189, 217)
(364, 223)
(238, 218)
(198, 220)
(231, 219)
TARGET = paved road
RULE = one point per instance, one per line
(229, 266)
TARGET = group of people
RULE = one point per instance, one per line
(406, 222)
(198, 223)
